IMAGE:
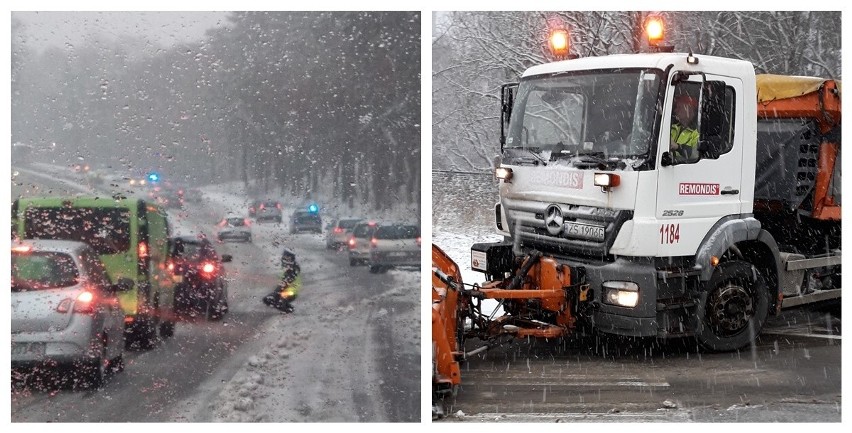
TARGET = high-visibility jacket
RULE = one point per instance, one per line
(686, 138)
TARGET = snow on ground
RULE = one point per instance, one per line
(251, 394)
(252, 391)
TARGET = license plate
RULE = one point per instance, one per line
(585, 231)
(28, 349)
(177, 278)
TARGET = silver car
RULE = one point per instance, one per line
(234, 226)
(394, 245)
(339, 231)
(65, 312)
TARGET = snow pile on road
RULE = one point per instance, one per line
(283, 357)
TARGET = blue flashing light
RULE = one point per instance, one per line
(153, 177)
(313, 208)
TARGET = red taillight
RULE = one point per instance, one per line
(223, 223)
(85, 303)
(143, 250)
(418, 240)
(170, 266)
(208, 269)
(352, 242)
(338, 230)
(374, 242)
(278, 205)
(263, 206)
(247, 222)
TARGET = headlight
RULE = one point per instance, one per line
(504, 174)
(621, 293)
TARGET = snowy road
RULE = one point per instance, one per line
(349, 353)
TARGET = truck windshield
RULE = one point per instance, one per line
(600, 116)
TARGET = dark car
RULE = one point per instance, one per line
(305, 221)
(199, 277)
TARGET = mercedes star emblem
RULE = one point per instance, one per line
(553, 219)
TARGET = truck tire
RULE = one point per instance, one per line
(732, 309)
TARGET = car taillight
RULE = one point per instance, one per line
(247, 222)
(85, 303)
(352, 242)
(278, 205)
(418, 240)
(170, 266)
(338, 230)
(262, 207)
(143, 250)
(223, 223)
(208, 270)
(374, 242)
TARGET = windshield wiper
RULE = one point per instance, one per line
(595, 158)
(532, 151)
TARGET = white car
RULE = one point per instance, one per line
(234, 226)
(65, 312)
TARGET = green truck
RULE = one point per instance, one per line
(131, 235)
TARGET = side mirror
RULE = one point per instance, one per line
(666, 159)
(124, 284)
(226, 258)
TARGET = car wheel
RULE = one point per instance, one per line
(375, 269)
(215, 308)
(352, 262)
(117, 364)
(167, 329)
(97, 369)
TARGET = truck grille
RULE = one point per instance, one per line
(585, 230)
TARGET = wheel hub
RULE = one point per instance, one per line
(730, 308)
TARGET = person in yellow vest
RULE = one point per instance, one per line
(291, 282)
(684, 135)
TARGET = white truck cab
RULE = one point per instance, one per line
(666, 239)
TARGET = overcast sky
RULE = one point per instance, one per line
(41, 29)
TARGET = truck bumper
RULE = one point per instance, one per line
(639, 321)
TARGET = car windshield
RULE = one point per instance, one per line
(236, 221)
(308, 218)
(397, 232)
(609, 114)
(42, 271)
(364, 230)
(191, 250)
(347, 224)
(107, 230)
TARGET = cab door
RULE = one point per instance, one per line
(693, 195)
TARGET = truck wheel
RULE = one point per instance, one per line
(732, 309)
